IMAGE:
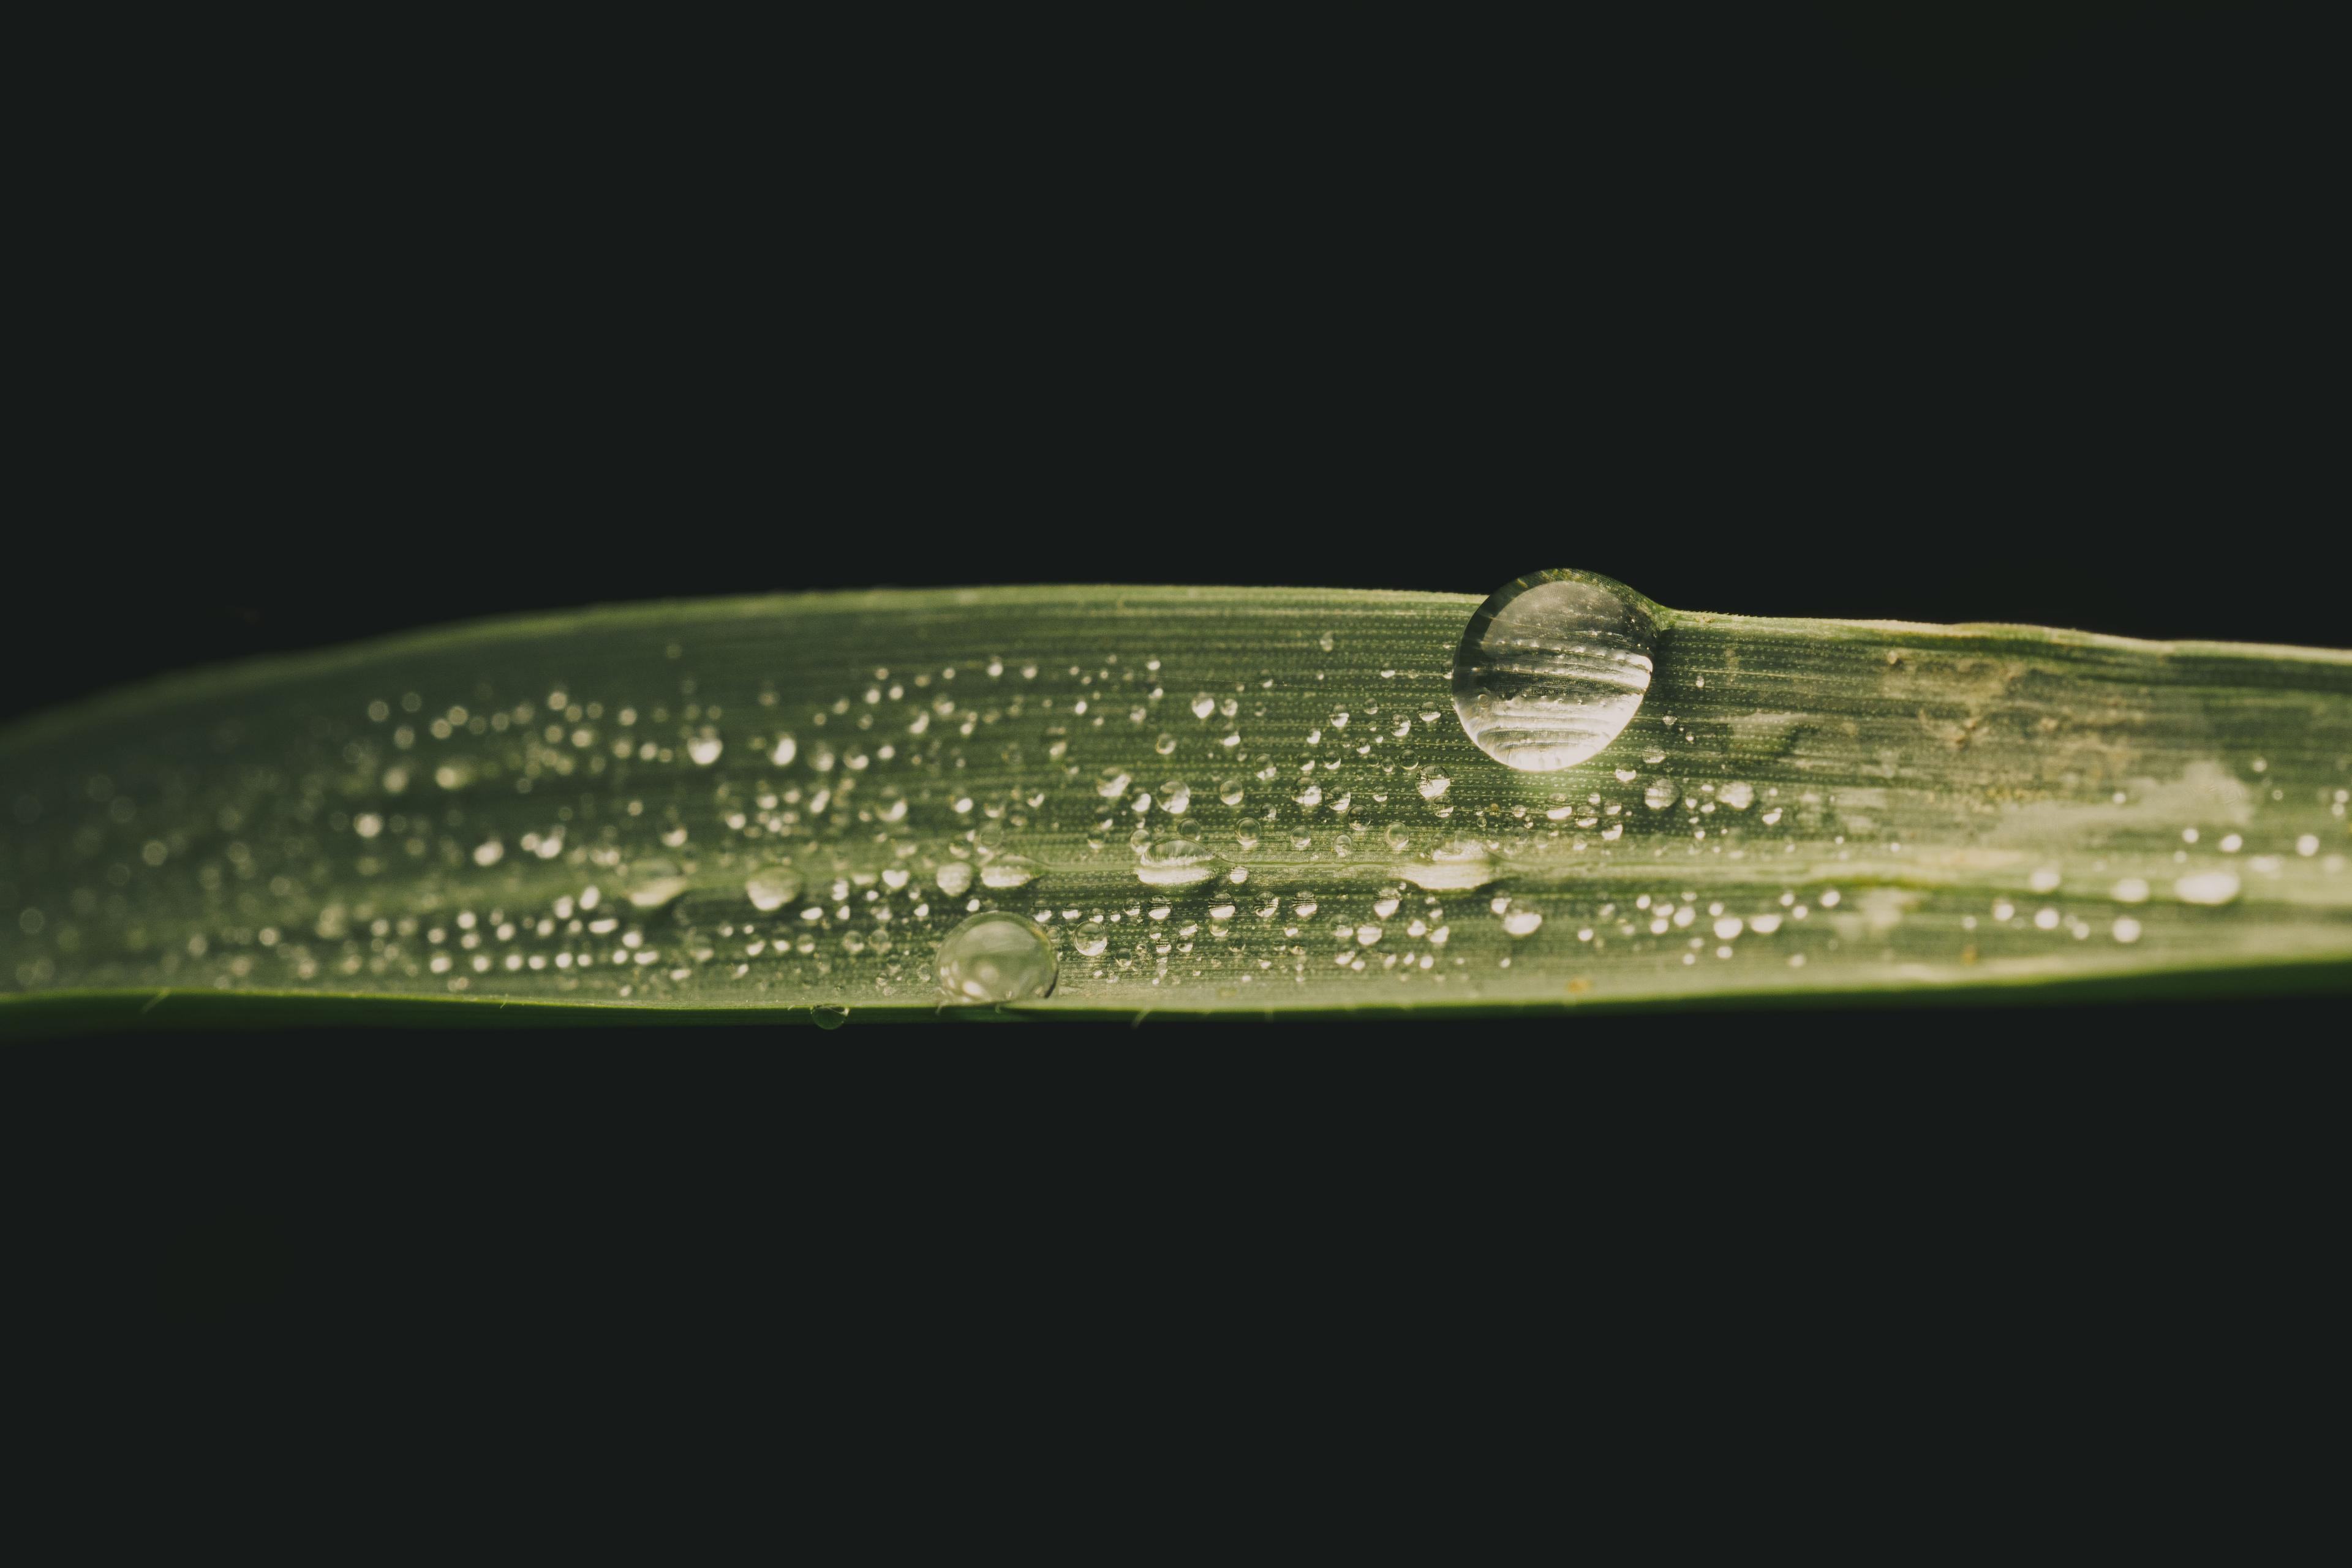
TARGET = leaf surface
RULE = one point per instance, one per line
(777, 808)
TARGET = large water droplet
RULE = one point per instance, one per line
(1551, 669)
(997, 956)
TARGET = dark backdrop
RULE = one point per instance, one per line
(1982, 312)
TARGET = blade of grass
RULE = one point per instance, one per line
(580, 810)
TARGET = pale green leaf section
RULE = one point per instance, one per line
(777, 807)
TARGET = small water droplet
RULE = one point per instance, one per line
(954, 877)
(997, 957)
(1176, 863)
(705, 747)
(1230, 791)
(1661, 794)
(772, 889)
(1738, 795)
(786, 750)
(1521, 923)
(657, 892)
(1175, 797)
(1112, 783)
(2205, 888)
(1433, 783)
(829, 1016)
(1008, 871)
(1551, 669)
(1456, 865)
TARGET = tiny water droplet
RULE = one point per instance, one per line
(954, 877)
(1433, 783)
(829, 1016)
(786, 750)
(1175, 797)
(705, 747)
(1521, 923)
(1551, 669)
(996, 957)
(1661, 794)
(1230, 791)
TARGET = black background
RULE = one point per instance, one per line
(1996, 312)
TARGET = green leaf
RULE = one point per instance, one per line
(777, 809)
